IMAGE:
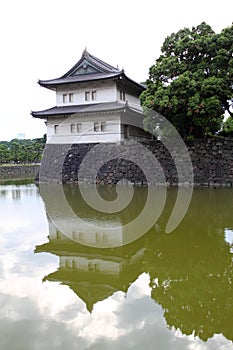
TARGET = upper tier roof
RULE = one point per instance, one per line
(90, 68)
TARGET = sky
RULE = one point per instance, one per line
(43, 39)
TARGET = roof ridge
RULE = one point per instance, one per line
(109, 66)
(95, 61)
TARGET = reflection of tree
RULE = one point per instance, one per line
(191, 269)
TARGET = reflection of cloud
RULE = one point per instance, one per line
(41, 333)
(229, 236)
(1, 270)
(53, 319)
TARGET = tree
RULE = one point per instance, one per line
(4, 154)
(191, 82)
(22, 151)
(227, 128)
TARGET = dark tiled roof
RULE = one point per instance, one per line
(96, 62)
(83, 109)
(78, 79)
(99, 70)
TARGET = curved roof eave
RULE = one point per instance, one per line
(53, 83)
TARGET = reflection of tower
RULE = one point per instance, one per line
(78, 221)
(93, 274)
(93, 258)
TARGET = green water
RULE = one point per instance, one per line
(59, 289)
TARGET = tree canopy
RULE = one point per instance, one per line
(22, 151)
(227, 128)
(191, 82)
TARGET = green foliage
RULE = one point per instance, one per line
(191, 269)
(191, 82)
(22, 151)
(227, 128)
(5, 153)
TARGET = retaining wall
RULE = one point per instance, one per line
(8, 172)
(212, 162)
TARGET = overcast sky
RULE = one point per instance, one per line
(42, 39)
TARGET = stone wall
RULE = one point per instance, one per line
(8, 172)
(212, 163)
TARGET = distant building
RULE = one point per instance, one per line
(95, 102)
(21, 136)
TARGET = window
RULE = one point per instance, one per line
(68, 97)
(122, 95)
(79, 127)
(72, 128)
(126, 131)
(90, 95)
(64, 98)
(75, 128)
(56, 128)
(96, 126)
(103, 126)
(71, 97)
(93, 95)
(87, 96)
(100, 126)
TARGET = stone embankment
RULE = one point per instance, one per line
(16, 172)
(212, 163)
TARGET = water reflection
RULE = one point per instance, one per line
(94, 275)
(190, 270)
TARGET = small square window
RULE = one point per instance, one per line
(103, 126)
(122, 95)
(56, 129)
(72, 128)
(96, 127)
(71, 97)
(87, 96)
(64, 98)
(79, 127)
(93, 95)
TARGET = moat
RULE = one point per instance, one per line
(160, 291)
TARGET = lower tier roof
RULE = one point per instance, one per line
(84, 109)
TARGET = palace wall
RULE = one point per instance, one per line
(212, 162)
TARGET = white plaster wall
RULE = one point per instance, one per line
(132, 100)
(105, 92)
(87, 135)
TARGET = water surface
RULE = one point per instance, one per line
(162, 291)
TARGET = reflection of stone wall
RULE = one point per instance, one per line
(212, 162)
(18, 171)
